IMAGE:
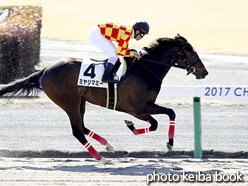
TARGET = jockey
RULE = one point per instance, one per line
(102, 36)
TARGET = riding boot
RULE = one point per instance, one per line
(108, 74)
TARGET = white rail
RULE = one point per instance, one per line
(226, 93)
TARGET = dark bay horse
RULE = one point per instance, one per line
(137, 90)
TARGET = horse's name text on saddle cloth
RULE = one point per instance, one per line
(91, 73)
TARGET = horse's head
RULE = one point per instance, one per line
(188, 58)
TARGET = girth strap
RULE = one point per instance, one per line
(111, 96)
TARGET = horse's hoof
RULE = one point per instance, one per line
(128, 123)
(110, 148)
(105, 161)
(169, 147)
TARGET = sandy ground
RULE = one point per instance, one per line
(122, 172)
(39, 125)
(213, 26)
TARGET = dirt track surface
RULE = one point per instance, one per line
(38, 124)
(122, 171)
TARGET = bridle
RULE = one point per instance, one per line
(189, 65)
(186, 60)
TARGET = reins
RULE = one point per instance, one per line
(151, 72)
(161, 63)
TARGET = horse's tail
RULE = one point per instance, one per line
(27, 86)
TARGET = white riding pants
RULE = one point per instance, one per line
(104, 44)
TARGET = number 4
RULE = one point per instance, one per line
(90, 71)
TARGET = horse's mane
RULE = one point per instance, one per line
(162, 44)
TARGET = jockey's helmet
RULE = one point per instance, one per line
(142, 26)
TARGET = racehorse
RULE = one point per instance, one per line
(137, 90)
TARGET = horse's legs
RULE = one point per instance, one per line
(156, 109)
(151, 109)
(77, 130)
(71, 105)
(90, 133)
(148, 118)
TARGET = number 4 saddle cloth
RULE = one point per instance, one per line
(91, 72)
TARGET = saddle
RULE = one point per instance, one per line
(116, 66)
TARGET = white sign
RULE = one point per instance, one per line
(227, 93)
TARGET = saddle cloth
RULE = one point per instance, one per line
(91, 73)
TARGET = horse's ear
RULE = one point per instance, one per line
(178, 36)
(180, 39)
